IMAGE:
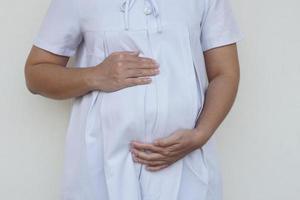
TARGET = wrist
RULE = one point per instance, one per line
(200, 137)
(91, 78)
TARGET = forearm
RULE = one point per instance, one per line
(219, 99)
(58, 82)
(46, 74)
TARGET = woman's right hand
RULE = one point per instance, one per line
(123, 69)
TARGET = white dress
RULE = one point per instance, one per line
(98, 164)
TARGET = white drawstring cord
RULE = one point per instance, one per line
(125, 7)
(128, 4)
(156, 14)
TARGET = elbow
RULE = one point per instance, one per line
(31, 89)
(35, 85)
(236, 77)
(29, 82)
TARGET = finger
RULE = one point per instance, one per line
(156, 168)
(134, 73)
(147, 147)
(134, 57)
(147, 162)
(147, 61)
(123, 54)
(135, 63)
(166, 153)
(133, 53)
(147, 156)
(141, 60)
(167, 141)
(128, 82)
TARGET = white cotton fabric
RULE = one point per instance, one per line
(98, 164)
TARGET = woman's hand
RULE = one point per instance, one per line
(165, 151)
(123, 69)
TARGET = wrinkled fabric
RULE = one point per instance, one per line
(98, 164)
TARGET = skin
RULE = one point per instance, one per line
(46, 74)
(223, 73)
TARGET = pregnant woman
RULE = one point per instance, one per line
(151, 81)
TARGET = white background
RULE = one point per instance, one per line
(259, 142)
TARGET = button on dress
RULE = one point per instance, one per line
(98, 164)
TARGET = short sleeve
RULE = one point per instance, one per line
(219, 26)
(60, 31)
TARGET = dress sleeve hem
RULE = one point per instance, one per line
(222, 42)
(53, 48)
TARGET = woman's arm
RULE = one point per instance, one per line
(46, 74)
(223, 73)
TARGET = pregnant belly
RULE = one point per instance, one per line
(147, 112)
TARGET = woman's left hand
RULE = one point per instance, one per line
(165, 151)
